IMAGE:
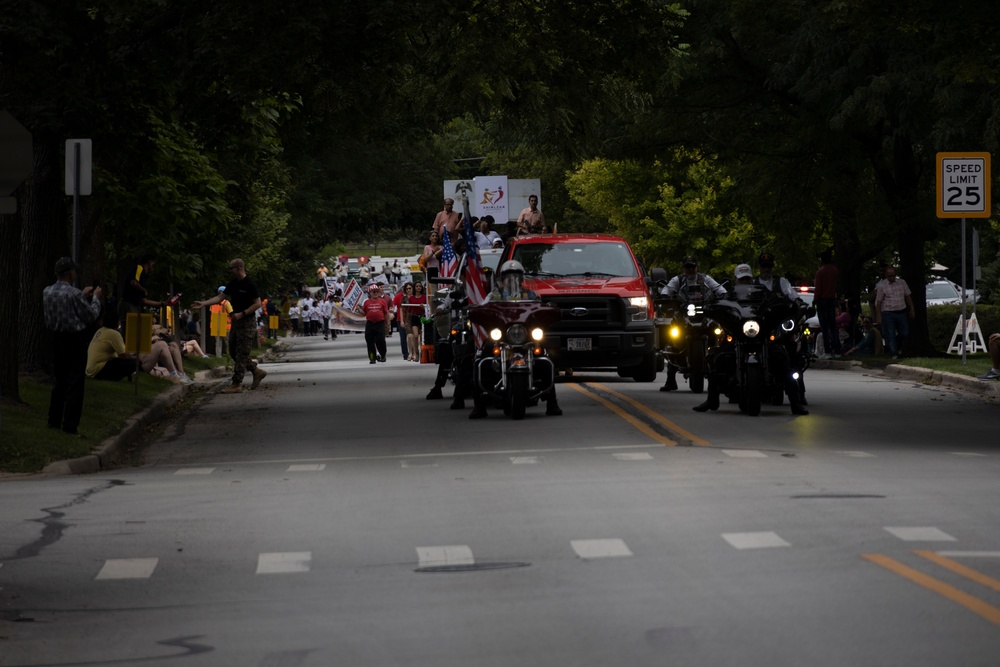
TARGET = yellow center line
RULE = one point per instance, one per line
(683, 432)
(973, 604)
(961, 570)
(624, 415)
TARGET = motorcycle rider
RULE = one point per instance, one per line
(689, 278)
(780, 285)
(510, 287)
(743, 275)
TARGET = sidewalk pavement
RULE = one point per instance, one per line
(105, 453)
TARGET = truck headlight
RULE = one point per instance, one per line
(638, 306)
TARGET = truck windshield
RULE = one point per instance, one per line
(607, 260)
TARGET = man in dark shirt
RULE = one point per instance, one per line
(245, 299)
(825, 297)
(136, 289)
(69, 313)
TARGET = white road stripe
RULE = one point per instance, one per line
(639, 456)
(609, 548)
(447, 555)
(525, 460)
(761, 540)
(744, 453)
(307, 467)
(857, 455)
(195, 471)
(970, 454)
(128, 568)
(288, 562)
(920, 534)
(417, 464)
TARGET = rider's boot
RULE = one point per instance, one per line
(712, 401)
(552, 408)
(434, 393)
(671, 383)
(479, 409)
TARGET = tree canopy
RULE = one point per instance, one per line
(273, 129)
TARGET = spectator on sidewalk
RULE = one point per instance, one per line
(994, 348)
(69, 312)
(893, 311)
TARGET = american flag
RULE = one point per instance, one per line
(449, 262)
(475, 286)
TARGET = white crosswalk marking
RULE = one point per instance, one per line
(195, 471)
(920, 534)
(744, 453)
(446, 555)
(306, 467)
(638, 456)
(525, 460)
(288, 562)
(607, 548)
(418, 464)
(759, 540)
(128, 568)
(857, 455)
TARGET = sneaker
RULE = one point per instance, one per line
(233, 389)
(992, 374)
(258, 375)
(380, 358)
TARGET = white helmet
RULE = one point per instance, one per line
(511, 279)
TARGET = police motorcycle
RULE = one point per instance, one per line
(757, 360)
(512, 370)
(687, 334)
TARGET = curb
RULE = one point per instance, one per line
(103, 455)
(985, 388)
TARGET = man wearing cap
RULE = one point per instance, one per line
(690, 278)
(69, 312)
(242, 293)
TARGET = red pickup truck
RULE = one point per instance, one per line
(608, 319)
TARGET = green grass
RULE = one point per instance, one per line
(976, 364)
(27, 445)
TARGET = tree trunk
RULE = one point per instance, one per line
(10, 242)
(44, 239)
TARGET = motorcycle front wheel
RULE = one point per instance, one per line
(753, 388)
(517, 395)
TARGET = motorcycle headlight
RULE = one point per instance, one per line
(717, 331)
(537, 334)
(675, 332)
(788, 325)
(751, 328)
(496, 334)
(517, 334)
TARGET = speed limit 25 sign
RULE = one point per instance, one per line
(963, 185)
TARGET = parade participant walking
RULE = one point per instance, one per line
(376, 312)
(242, 292)
(893, 311)
(69, 312)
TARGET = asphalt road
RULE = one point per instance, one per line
(335, 517)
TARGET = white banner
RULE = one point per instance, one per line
(490, 197)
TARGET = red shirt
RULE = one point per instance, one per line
(826, 282)
(375, 309)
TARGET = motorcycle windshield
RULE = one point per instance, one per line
(499, 314)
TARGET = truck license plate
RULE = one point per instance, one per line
(578, 344)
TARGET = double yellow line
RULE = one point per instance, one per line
(970, 602)
(638, 424)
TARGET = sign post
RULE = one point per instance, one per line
(963, 191)
(79, 177)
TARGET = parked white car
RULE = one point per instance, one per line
(941, 292)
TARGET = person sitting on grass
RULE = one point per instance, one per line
(867, 344)
(106, 356)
